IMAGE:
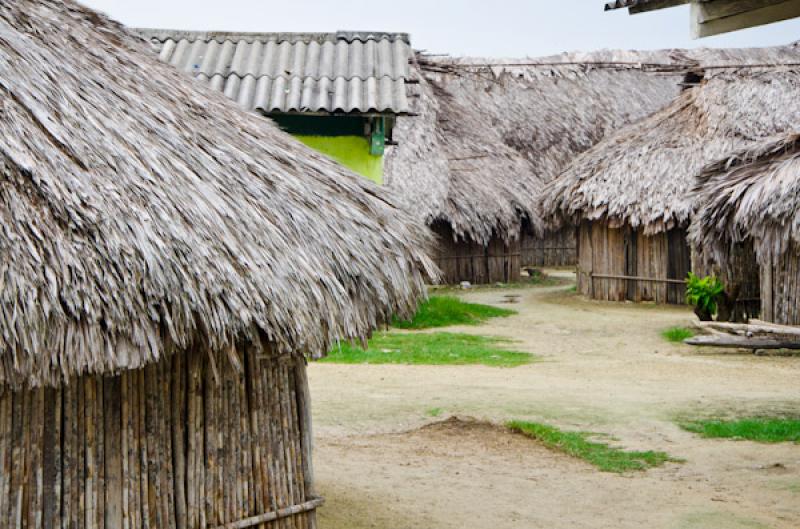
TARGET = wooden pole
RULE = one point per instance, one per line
(275, 515)
(639, 278)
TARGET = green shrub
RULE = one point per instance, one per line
(704, 293)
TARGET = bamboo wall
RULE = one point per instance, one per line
(644, 268)
(181, 444)
(741, 268)
(780, 287)
(466, 260)
(556, 248)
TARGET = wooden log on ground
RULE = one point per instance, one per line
(743, 342)
(749, 329)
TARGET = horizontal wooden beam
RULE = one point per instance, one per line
(275, 515)
(655, 5)
(754, 327)
(723, 16)
(716, 9)
(743, 342)
(638, 278)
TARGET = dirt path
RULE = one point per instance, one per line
(605, 368)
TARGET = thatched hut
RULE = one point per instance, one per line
(487, 136)
(168, 261)
(754, 197)
(630, 194)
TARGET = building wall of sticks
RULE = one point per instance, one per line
(618, 264)
(555, 248)
(741, 276)
(185, 443)
(780, 286)
(467, 260)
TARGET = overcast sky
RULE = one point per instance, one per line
(492, 28)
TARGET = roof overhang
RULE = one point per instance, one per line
(713, 17)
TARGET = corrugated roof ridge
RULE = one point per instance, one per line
(242, 76)
(164, 34)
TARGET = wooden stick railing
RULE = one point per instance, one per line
(637, 278)
(275, 515)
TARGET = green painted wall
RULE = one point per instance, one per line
(350, 151)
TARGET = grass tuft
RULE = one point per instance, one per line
(443, 311)
(430, 349)
(760, 429)
(601, 455)
(677, 334)
(434, 412)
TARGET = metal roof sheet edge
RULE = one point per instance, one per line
(163, 34)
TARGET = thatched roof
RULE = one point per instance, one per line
(642, 174)
(143, 213)
(754, 193)
(490, 133)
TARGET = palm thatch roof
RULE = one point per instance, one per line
(142, 213)
(489, 134)
(753, 193)
(642, 175)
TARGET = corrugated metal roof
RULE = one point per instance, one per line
(353, 72)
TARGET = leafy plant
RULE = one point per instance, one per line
(704, 294)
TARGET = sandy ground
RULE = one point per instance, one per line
(382, 461)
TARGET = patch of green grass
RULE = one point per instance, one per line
(430, 349)
(760, 429)
(434, 412)
(677, 334)
(443, 311)
(601, 455)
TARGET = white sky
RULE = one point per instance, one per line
(492, 28)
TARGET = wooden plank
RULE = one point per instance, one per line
(145, 509)
(710, 11)
(679, 263)
(6, 446)
(743, 342)
(631, 264)
(90, 450)
(756, 17)
(654, 5)
(80, 451)
(127, 441)
(52, 459)
(36, 469)
(178, 431)
(196, 448)
(112, 430)
(17, 461)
